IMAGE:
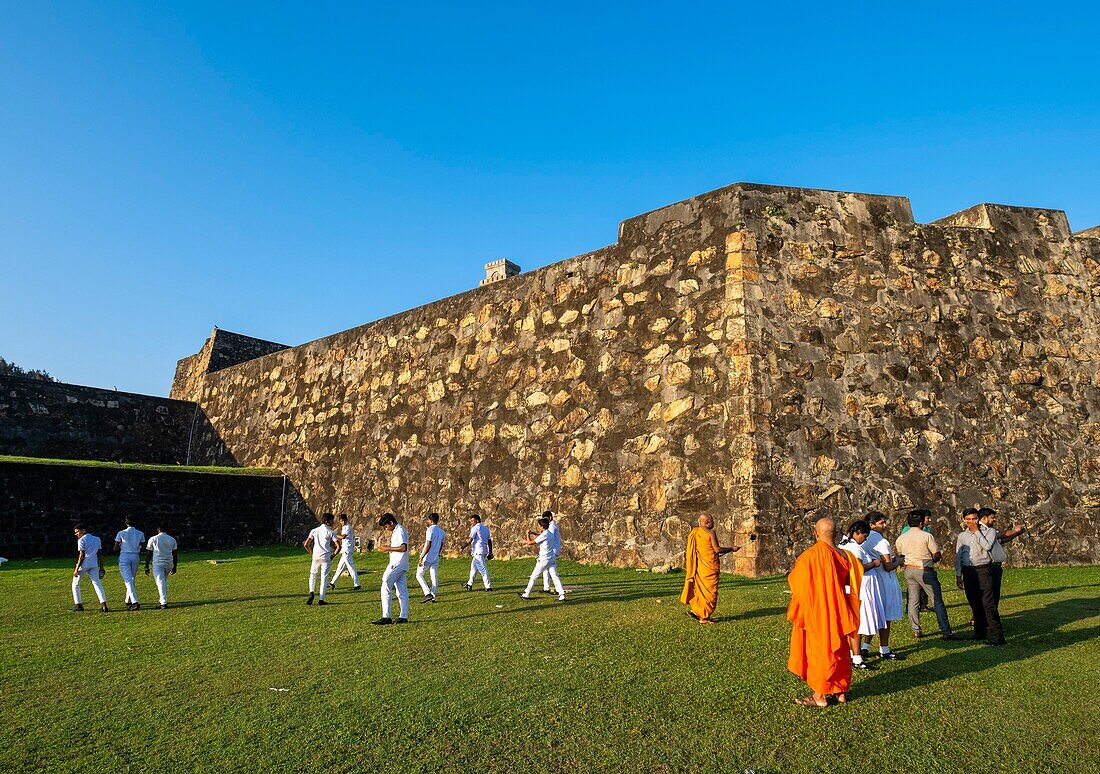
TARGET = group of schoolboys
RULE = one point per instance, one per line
(162, 558)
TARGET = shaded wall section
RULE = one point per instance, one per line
(40, 502)
(67, 421)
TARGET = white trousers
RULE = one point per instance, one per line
(546, 576)
(160, 575)
(395, 579)
(346, 563)
(477, 565)
(432, 570)
(93, 574)
(127, 568)
(550, 567)
(319, 568)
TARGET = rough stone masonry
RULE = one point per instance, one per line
(764, 354)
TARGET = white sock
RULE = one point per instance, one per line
(883, 650)
(857, 659)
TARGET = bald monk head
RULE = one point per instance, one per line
(825, 529)
(706, 522)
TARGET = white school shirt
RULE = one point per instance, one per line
(479, 540)
(435, 534)
(546, 546)
(131, 539)
(324, 541)
(399, 559)
(348, 544)
(555, 535)
(162, 545)
(90, 545)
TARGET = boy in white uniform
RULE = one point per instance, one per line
(481, 550)
(555, 536)
(129, 543)
(163, 555)
(429, 558)
(322, 543)
(395, 578)
(88, 549)
(547, 561)
(347, 561)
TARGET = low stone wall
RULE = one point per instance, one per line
(67, 421)
(40, 502)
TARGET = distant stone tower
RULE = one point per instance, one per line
(500, 269)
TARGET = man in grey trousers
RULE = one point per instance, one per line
(921, 553)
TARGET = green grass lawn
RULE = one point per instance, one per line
(142, 466)
(240, 674)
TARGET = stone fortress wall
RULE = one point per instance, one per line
(760, 353)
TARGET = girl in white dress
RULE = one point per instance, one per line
(872, 616)
(891, 588)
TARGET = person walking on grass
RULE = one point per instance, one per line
(555, 536)
(395, 578)
(702, 565)
(163, 556)
(481, 551)
(547, 561)
(88, 550)
(428, 564)
(321, 543)
(128, 543)
(920, 552)
(347, 560)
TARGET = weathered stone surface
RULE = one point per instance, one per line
(742, 352)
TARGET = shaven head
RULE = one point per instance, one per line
(705, 521)
(825, 530)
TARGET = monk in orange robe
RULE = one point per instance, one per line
(824, 616)
(701, 569)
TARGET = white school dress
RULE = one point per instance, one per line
(891, 588)
(872, 615)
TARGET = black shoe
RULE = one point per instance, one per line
(309, 599)
(427, 599)
(356, 588)
(995, 643)
(865, 653)
(129, 605)
(489, 589)
(891, 656)
(950, 636)
(402, 620)
(321, 602)
(103, 607)
(467, 586)
(78, 608)
(979, 638)
(382, 621)
(332, 586)
(164, 606)
(135, 607)
(861, 665)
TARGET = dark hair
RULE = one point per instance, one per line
(915, 518)
(475, 517)
(544, 522)
(80, 526)
(343, 517)
(861, 526)
(547, 514)
(326, 517)
(126, 520)
(970, 511)
(387, 518)
(433, 518)
(983, 512)
(873, 516)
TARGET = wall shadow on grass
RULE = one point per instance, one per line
(1030, 633)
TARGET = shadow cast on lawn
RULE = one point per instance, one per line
(1030, 633)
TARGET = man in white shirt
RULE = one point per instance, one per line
(395, 578)
(163, 555)
(481, 550)
(129, 543)
(347, 561)
(88, 549)
(555, 537)
(547, 561)
(429, 558)
(322, 543)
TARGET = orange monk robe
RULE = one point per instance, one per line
(823, 616)
(701, 571)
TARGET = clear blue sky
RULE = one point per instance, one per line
(292, 170)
